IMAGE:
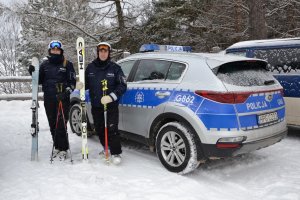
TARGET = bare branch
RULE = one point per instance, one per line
(63, 20)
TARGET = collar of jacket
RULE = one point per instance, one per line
(101, 64)
(56, 59)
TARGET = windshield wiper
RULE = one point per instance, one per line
(269, 82)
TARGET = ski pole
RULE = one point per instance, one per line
(60, 111)
(65, 126)
(56, 126)
(104, 88)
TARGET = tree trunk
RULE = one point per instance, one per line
(257, 20)
(291, 22)
(121, 24)
(238, 20)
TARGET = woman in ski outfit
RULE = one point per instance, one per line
(58, 79)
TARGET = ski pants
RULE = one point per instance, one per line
(58, 131)
(114, 142)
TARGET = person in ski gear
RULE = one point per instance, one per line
(102, 68)
(57, 77)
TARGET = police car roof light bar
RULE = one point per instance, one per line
(164, 48)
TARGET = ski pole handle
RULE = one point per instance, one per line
(104, 88)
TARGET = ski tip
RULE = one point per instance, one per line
(35, 61)
(79, 39)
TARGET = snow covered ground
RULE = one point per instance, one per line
(270, 173)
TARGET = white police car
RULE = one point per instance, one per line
(192, 107)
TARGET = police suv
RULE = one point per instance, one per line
(191, 107)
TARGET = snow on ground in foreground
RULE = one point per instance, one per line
(270, 173)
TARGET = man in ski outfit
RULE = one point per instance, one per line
(58, 79)
(102, 68)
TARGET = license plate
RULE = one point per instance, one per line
(267, 118)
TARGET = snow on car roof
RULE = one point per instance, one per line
(269, 42)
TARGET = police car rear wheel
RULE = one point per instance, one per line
(75, 119)
(176, 148)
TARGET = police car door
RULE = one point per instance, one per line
(126, 66)
(146, 95)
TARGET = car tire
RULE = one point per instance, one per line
(176, 148)
(75, 119)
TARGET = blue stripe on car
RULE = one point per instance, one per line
(215, 116)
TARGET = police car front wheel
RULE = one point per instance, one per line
(75, 119)
(176, 148)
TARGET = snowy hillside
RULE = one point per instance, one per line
(270, 173)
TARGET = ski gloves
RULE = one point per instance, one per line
(79, 85)
(104, 100)
(64, 95)
(31, 69)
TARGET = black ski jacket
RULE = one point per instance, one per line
(52, 75)
(97, 71)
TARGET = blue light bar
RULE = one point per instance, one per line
(149, 47)
(164, 48)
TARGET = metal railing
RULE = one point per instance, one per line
(22, 96)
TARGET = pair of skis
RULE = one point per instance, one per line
(80, 46)
(34, 108)
(81, 67)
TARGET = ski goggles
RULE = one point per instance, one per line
(103, 48)
(55, 44)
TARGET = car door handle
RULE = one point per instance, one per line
(162, 94)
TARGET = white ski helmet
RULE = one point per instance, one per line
(55, 43)
(105, 44)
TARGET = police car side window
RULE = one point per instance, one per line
(281, 60)
(127, 66)
(152, 70)
(175, 71)
(238, 53)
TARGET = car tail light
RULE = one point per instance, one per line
(230, 142)
(224, 97)
(230, 97)
(228, 145)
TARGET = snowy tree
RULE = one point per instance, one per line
(283, 18)
(204, 24)
(122, 21)
(65, 20)
(200, 23)
(9, 66)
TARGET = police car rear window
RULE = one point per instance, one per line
(245, 73)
